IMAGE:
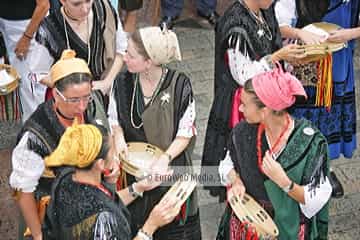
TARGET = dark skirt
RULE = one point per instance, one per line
(191, 230)
(130, 5)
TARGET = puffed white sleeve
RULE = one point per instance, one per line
(316, 198)
(187, 127)
(243, 68)
(112, 110)
(285, 11)
(121, 39)
(27, 166)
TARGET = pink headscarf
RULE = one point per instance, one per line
(277, 89)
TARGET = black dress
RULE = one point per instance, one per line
(237, 23)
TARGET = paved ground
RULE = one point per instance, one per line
(197, 45)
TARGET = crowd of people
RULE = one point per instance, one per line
(91, 82)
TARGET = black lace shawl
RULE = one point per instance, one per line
(51, 34)
(80, 211)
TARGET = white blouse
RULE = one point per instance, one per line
(285, 11)
(314, 200)
(186, 127)
(27, 166)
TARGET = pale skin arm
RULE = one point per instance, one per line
(344, 35)
(29, 211)
(105, 84)
(177, 146)
(305, 36)
(22, 46)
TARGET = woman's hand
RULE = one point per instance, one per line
(237, 189)
(342, 35)
(291, 53)
(310, 38)
(121, 147)
(152, 181)
(163, 213)
(22, 47)
(161, 165)
(103, 85)
(113, 175)
(274, 171)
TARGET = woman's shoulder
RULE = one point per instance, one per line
(307, 128)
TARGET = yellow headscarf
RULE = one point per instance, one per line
(78, 147)
(67, 65)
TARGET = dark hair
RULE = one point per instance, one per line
(139, 45)
(74, 78)
(105, 146)
(249, 88)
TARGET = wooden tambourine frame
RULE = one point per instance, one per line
(181, 190)
(148, 151)
(248, 210)
(316, 52)
(10, 87)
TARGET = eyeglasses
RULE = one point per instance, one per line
(88, 98)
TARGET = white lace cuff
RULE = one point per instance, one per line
(27, 166)
(315, 199)
(242, 68)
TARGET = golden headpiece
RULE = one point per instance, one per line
(79, 146)
(67, 65)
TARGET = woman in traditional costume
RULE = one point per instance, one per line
(93, 30)
(40, 135)
(84, 203)
(281, 162)
(337, 120)
(247, 42)
(152, 103)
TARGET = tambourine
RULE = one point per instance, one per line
(8, 85)
(315, 52)
(181, 190)
(140, 157)
(248, 210)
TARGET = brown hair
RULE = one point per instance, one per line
(249, 88)
(136, 37)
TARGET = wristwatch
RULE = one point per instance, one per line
(143, 235)
(289, 187)
(133, 192)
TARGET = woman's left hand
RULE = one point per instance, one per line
(102, 85)
(274, 171)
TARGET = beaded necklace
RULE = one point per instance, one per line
(136, 93)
